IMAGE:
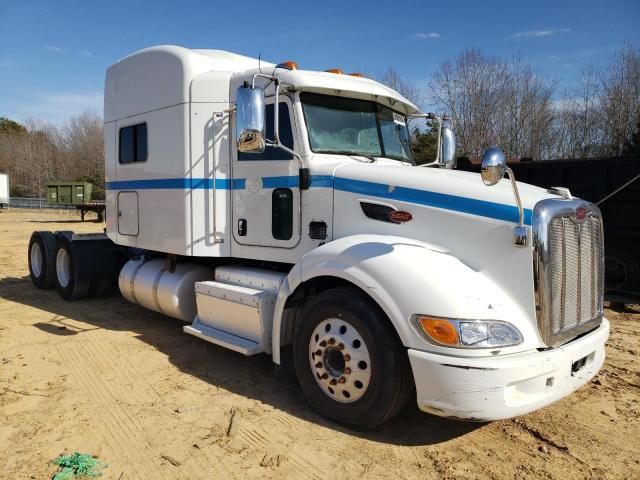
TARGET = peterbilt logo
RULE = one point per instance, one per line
(400, 216)
(581, 214)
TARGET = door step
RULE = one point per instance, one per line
(224, 339)
(236, 310)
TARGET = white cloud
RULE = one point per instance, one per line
(427, 35)
(86, 53)
(546, 32)
(53, 48)
(57, 107)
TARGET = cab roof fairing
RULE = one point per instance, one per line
(333, 84)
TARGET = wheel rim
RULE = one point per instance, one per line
(36, 259)
(63, 269)
(340, 360)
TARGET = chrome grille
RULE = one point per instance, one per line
(569, 268)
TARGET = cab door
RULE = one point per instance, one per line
(265, 188)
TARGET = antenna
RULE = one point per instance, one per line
(259, 59)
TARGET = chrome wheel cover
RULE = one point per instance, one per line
(340, 360)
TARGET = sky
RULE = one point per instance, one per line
(54, 54)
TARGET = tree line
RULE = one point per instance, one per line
(507, 103)
(35, 153)
(491, 102)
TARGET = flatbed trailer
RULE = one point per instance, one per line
(97, 207)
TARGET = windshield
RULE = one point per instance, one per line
(355, 127)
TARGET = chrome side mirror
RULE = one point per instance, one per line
(494, 166)
(448, 147)
(250, 119)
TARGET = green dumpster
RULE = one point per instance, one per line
(69, 193)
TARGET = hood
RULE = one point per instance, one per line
(438, 188)
(451, 212)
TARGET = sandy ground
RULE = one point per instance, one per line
(109, 378)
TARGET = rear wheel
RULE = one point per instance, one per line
(68, 285)
(349, 361)
(41, 259)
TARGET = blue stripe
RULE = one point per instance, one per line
(280, 182)
(482, 208)
(322, 181)
(472, 206)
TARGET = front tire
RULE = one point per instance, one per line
(349, 360)
(66, 279)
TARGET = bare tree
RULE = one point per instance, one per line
(620, 101)
(392, 79)
(471, 90)
(579, 118)
(40, 153)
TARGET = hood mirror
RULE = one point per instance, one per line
(494, 166)
(250, 119)
(448, 147)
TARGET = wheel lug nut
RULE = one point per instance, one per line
(341, 380)
(332, 341)
(341, 346)
(318, 352)
(324, 376)
(318, 365)
(333, 382)
(323, 343)
(347, 358)
(347, 371)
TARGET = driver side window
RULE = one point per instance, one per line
(286, 136)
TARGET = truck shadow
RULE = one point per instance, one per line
(246, 376)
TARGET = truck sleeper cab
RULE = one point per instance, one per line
(279, 211)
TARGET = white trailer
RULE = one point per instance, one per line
(278, 210)
(4, 190)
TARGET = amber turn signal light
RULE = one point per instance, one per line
(334, 70)
(440, 330)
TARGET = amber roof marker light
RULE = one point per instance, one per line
(288, 65)
(335, 70)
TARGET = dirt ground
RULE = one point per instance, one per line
(109, 378)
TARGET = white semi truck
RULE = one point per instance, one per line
(279, 210)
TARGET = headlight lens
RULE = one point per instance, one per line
(468, 333)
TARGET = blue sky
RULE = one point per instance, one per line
(53, 54)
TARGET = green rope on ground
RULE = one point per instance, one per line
(77, 465)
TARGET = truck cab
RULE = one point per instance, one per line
(278, 210)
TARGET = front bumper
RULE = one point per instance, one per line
(493, 388)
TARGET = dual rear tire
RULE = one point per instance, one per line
(75, 274)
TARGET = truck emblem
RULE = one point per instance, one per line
(581, 213)
(400, 216)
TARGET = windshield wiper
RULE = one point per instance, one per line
(371, 158)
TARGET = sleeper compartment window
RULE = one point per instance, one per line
(133, 143)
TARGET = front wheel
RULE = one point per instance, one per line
(349, 361)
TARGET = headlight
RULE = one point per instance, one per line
(458, 333)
